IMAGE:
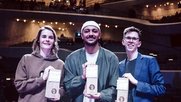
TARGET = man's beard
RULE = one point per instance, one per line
(91, 44)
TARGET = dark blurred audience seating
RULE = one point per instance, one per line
(55, 6)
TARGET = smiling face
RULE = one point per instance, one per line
(46, 39)
(90, 35)
(131, 41)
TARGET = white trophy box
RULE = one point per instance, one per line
(122, 89)
(53, 84)
(92, 78)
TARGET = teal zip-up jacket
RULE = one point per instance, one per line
(107, 63)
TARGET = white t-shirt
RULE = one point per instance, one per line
(91, 58)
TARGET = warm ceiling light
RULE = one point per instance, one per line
(24, 20)
(171, 4)
(17, 20)
(170, 59)
(168, 3)
(147, 6)
(116, 26)
(56, 22)
(33, 21)
(67, 1)
(8, 79)
(70, 23)
(43, 21)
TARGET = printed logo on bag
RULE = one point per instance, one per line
(91, 87)
(54, 91)
(121, 99)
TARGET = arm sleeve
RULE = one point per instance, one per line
(24, 84)
(62, 91)
(156, 86)
(109, 94)
(74, 84)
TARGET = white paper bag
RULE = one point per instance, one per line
(53, 84)
(122, 89)
(92, 78)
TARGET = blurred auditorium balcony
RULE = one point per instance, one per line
(142, 9)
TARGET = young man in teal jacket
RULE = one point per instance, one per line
(92, 52)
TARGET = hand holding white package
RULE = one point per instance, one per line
(92, 78)
(53, 84)
(122, 89)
